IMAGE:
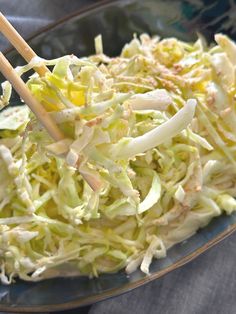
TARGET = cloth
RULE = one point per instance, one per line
(206, 285)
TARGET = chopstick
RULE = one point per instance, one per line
(19, 43)
(21, 88)
(24, 92)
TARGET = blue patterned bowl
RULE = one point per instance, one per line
(117, 21)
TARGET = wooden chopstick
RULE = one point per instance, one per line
(19, 43)
(24, 92)
(21, 88)
(5, 67)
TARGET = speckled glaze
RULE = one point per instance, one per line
(117, 21)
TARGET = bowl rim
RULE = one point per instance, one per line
(132, 285)
(85, 9)
(127, 287)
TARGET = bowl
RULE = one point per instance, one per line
(117, 21)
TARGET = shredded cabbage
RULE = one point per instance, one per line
(148, 159)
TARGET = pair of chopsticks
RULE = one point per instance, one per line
(21, 88)
(18, 84)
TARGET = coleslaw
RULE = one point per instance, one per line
(149, 157)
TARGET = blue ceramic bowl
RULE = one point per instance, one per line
(117, 21)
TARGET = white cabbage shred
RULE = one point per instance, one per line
(149, 158)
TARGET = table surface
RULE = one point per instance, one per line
(207, 284)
